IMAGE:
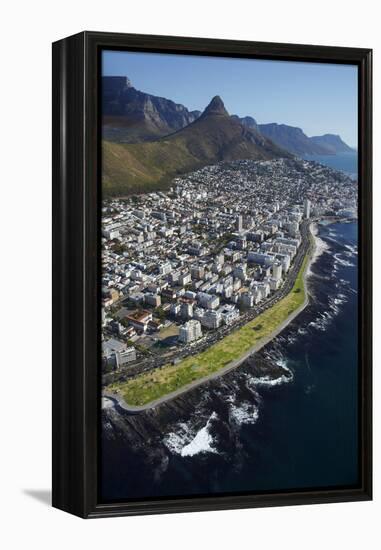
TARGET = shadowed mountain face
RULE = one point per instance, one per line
(213, 137)
(332, 143)
(130, 115)
(247, 121)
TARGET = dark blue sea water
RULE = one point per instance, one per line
(243, 433)
(306, 434)
(346, 162)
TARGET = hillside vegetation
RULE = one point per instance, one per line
(215, 136)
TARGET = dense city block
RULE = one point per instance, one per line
(183, 268)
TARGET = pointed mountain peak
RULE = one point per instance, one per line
(216, 107)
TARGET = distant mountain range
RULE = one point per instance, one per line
(291, 138)
(295, 140)
(213, 137)
(148, 139)
(333, 143)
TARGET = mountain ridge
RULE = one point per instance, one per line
(247, 121)
(131, 115)
(293, 139)
(332, 142)
(213, 137)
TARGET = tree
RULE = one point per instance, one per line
(119, 248)
(160, 313)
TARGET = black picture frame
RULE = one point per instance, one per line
(76, 237)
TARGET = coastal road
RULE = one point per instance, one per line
(307, 237)
(157, 360)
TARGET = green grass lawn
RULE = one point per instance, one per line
(172, 330)
(150, 386)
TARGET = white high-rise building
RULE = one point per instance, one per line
(277, 270)
(165, 268)
(260, 258)
(247, 299)
(190, 332)
(125, 356)
(186, 310)
(307, 208)
(209, 301)
(285, 260)
(239, 223)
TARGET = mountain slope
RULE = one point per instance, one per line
(130, 115)
(295, 140)
(213, 137)
(332, 143)
(292, 139)
(247, 121)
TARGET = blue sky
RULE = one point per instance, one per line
(318, 97)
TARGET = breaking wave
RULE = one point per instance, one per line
(261, 381)
(245, 413)
(321, 246)
(185, 442)
(107, 403)
(342, 261)
(353, 248)
(324, 318)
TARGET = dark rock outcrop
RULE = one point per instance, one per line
(247, 121)
(131, 115)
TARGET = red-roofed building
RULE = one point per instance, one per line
(139, 319)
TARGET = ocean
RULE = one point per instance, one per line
(346, 162)
(248, 433)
